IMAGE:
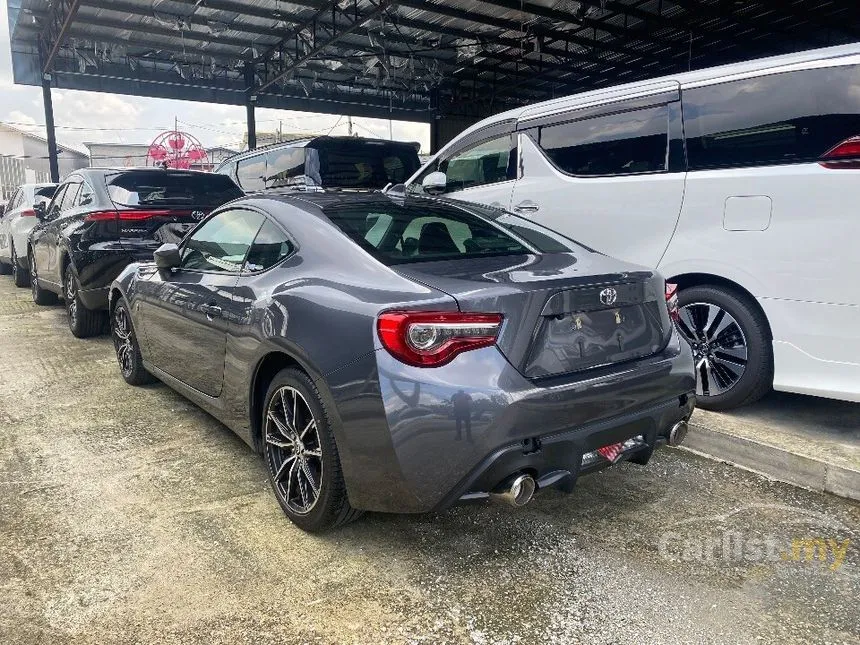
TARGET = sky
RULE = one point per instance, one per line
(113, 118)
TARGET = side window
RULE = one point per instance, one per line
(85, 197)
(15, 200)
(285, 167)
(222, 243)
(793, 117)
(489, 162)
(270, 247)
(625, 143)
(70, 197)
(57, 201)
(251, 173)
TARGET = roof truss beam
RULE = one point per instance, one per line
(62, 15)
(312, 37)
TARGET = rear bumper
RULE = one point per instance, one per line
(557, 460)
(97, 268)
(434, 436)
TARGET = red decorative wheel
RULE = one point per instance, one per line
(174, 149)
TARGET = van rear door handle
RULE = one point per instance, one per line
(527, 206)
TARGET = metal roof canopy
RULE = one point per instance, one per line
(411, 60)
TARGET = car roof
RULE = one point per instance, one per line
(305, 141)
(707, 75)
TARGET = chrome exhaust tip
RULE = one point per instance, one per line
(516, 492)
(678, 433)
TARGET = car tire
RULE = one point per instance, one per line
(301, 452)
(731, 345)
(83, 322)
(126, 346)
(40, 296)
(21, 277)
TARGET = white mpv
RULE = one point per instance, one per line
(739, 183)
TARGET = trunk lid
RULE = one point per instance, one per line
(563, 312)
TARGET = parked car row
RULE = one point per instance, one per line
(382, 353)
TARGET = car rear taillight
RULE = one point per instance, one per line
(132, 215)
(434, 338)
(842, 155)
(672, 301)
(28, 212)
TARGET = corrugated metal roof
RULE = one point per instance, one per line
(414, 58)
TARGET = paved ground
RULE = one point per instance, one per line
(129, 516)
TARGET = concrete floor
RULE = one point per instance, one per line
(130, 516)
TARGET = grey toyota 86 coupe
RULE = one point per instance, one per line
(402, 354)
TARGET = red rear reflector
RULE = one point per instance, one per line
(28, 212)
(434, 338)
(672, 301)
(843, 155)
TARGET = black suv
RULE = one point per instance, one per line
(102, 219)
(317, 163)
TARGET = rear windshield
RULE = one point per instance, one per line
(397, 234)
(165, 188)
(360, 164)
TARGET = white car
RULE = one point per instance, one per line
(15, 225)
(739, 183)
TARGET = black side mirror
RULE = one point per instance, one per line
(167, 257)
(39, 209)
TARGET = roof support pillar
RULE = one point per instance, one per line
(250, 102)
(53, 161)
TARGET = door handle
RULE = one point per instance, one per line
(527, 206)
(211, 310)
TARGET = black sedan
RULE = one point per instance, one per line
(100, 220)
(404, 354)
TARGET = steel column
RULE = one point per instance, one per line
(53, 161)
(250, 101)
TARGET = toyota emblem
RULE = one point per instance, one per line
(608, 296)
(198, 215)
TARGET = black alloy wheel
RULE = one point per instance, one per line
(731, 346)
(301, 454)
(127, 350)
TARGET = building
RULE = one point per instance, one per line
(24, 159)
(124, 155)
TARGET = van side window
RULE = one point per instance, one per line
(488, 162)
(251, 172)
(285, 167)
(625, 143)
(793, 117)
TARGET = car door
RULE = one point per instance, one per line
(185, 312)
(482, 169)
(45, 237)
(610, 177)
(66, 216)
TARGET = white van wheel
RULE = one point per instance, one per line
(731, 346)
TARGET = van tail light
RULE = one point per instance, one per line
(28, 212)
(672, 301)
(133, 215)
(843, 155)
(434, 338)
